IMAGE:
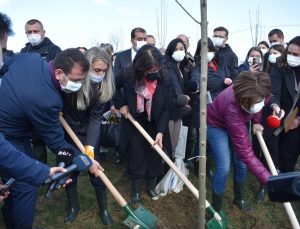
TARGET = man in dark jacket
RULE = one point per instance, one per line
(42, 45)
(30, 96)
(224, 53)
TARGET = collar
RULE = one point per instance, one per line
(133, 53)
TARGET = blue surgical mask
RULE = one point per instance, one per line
(96, 78)
(70, 86)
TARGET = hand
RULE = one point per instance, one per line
(54, 170)
(254, 68)
(124, 111)
(95, 168)
(227, 81)
(158, 140)
(257, 127)
(277, 111)
(2, 197)
(113, 109)
(295, 124)
(89, 150)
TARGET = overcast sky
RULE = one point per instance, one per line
(72, 23)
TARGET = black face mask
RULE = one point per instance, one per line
(153, 76)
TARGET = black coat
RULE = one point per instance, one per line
(126, 95)
(46, 49)
(226, 57)
(123, 60)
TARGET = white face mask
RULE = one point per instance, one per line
(293, 61)
(140, 44)
(218, 41)
(34, 39)
(275, 43)
(257, 107)
(264, 51)
(273, 57)
(178, 55)
(210, 56)
(95, 78)
(71, 86)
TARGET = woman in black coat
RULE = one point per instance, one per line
(83, 111)
(285, 77)
(144, 92)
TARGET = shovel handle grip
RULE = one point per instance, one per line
(186, 181)
(101, 174)
(288, 207)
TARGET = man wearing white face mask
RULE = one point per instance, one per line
(276, 37)
(31, 99)
(227, 58)
(124, 59)
(285, 76)
(38, 42)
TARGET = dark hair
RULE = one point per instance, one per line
(223, 29)
(210, 46)
(277, 47)
(282, 60)
(137, 30)
(5, 26)
(151, 36)
(250, 86)
(171, 48)
(66, 60)
(254, 49)
(277, 32)
(34, 21)
(263, 43)
(147, 57)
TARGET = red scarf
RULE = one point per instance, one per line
(144, 91)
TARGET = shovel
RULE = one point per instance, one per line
(138, 219)
(288, 207)
(216, 222)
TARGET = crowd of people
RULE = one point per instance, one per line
(160, 89)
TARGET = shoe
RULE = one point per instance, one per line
(260, 197)
(150, 185)
(239, 190)
(217, 201)
(73, 203)
(102, 203)
(136, 190)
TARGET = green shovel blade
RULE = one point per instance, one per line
(215, 224)
(140, 218)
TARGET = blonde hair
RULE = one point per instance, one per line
(107, 88)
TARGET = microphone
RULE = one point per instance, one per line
(80, 163)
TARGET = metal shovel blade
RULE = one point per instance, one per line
(140, 219)
(215, 224)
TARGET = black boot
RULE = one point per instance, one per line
(239, 189)
(136, 190)
(217, 201)
(102, 203)
(73, 203)
(150, 185)
(261, 193)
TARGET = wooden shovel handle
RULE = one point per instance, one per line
(101, 174)
(186, 181)
(288, 207)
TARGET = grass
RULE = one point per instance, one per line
(174, 211)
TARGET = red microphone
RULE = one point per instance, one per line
(273, 121)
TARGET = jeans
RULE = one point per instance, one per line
(221, 150)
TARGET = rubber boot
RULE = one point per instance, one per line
(102, 203)
(239, 189)
(136, 190)
(73, 203)
(209, 167)
(217, 201)
(260, 196)
(40, 153)
(150, 186)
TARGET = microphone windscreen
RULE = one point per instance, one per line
(273, 121)
(65, 156)
(83, 162)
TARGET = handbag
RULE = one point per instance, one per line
(110, 132)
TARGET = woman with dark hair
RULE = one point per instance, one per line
(175, 54)
(254, 60)
(144, 92)
(274, 52)
(264, 47)
(285, 77)
(227, 118)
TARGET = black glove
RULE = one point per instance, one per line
(65, 156)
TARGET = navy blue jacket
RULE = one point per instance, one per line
(18, 165)
(31, 101)
(123, 60)
(46, 49)
(226, 57)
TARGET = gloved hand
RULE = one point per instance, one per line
(65, 156)
(89, 150)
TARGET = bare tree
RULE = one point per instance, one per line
(162, 23)
(116, 39)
